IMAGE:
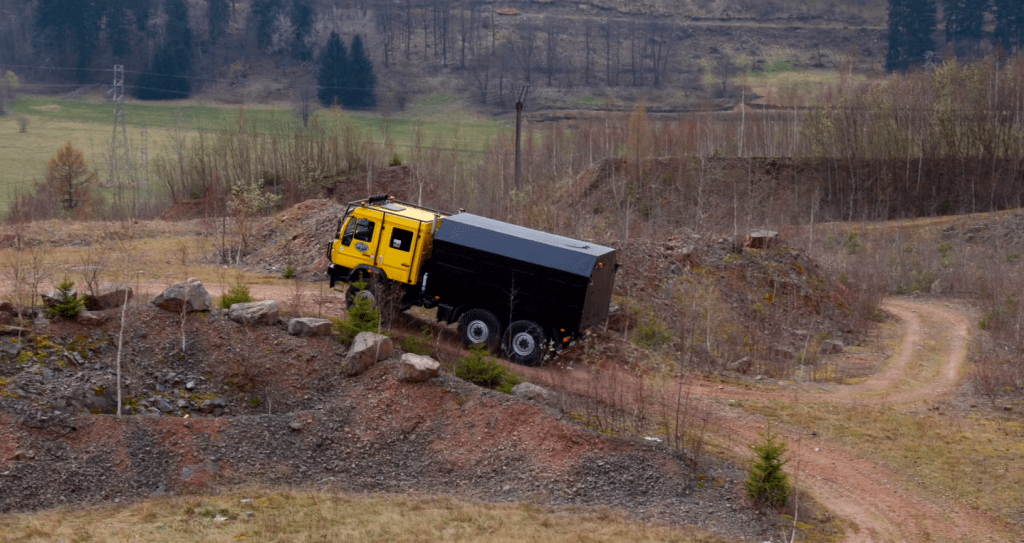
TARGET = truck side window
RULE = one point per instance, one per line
(364, 230)
(350, 230)
(401, 239)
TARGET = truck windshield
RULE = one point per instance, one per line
(350, 230)
(359, 229)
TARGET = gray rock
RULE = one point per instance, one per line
(91, 318)
(743, 365)
(762, 239)
(539, 394)
(367, 349)
(164, 406)
(831, 346)
(417, 368)
(308, 326)
(190, 295)
(265, 312)
(220, 401)
(14, 331)
(207, 466)
(109, 296)
(11, 346)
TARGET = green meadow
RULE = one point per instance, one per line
(88, 123)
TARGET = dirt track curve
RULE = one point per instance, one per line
(879, 505)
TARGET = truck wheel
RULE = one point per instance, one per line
(479, 327)
(524, 343)
(353, 294)
(374, 290)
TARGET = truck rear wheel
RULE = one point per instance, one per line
(479, 327)
(524, 343)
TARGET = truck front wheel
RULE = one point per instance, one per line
(524, 343)
(479, 327)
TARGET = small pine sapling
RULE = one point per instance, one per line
(767, 485)
(67, 305)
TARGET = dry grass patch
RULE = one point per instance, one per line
(968, 456)
(299, 516)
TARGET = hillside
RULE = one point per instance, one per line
(580, 54)
(268, 408)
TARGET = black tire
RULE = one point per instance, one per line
(374, 291)
(353, 294)
(479, 327)
(524, 343)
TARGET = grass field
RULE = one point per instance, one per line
(296, 516)
(88, 123)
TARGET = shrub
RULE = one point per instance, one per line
(652, 334)
(67, 306)
(237, 294)
(289, 272)
(362, 317)
(419, 344)
(766, 484)
(481, 369)
(395, 160)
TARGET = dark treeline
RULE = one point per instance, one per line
(177, 46)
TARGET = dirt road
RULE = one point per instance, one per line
(878, 502)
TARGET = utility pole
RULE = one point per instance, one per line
(519, 121)
(120, 158)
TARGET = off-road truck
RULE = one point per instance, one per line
(506, 286)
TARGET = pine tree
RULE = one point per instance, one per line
(334, 68)
(911, 24)
(1009, 31)
(964, 20)
(362, 80)
(69, 31)
(302, 18)
(219, 19)
(119, 27)
(264, 13)
(168, 76)
(766, 483)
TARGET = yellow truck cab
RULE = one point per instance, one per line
(380, 234)
(533, 291)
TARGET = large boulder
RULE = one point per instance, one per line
(367, 349)
(536, 393)
(265, 312)
(190, 295)
(831, 346)
(108, 296)
(308, 326)
(417, 368)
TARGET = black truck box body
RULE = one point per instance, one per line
(543, 277)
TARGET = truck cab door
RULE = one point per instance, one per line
(396, 251)
(358, 244)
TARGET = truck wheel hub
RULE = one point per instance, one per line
(477, 331)
(523, 344)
